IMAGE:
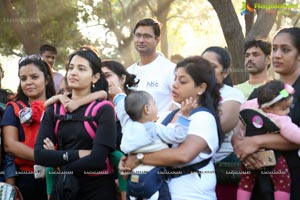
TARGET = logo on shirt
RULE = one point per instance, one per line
(152, 84)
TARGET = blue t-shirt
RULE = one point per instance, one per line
(10, 119)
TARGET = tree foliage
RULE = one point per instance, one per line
(28, 24)
(117, 18)
(258, 28)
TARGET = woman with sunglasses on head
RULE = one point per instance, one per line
(20, 124)
(286, 62)
(76, 150)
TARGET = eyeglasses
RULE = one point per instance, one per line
(144, 36)
(30, 57)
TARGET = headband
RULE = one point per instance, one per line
(284, 93)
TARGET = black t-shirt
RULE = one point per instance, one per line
(72, 136)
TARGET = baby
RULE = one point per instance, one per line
(142, 135)
(266, 114)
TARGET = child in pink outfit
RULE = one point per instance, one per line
(274, 101)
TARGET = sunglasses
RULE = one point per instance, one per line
(30, 57)
(90, 48)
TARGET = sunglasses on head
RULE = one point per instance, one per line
(30, 57)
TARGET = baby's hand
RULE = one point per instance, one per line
(113, 91)
(71, 105)
(187, 106)
(63, 99)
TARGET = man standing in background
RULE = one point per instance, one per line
(48, 54)
(257, 62)
(154, 71)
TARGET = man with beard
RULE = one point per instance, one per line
(153, 70)
(257, 62)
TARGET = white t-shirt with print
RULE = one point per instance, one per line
(191, 186)
(156, 78)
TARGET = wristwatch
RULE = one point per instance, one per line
(140, 157)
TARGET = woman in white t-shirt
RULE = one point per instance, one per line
(194, 77)
(231, 100)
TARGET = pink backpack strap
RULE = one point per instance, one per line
(62, 111)
(92, 111)
(91, 127)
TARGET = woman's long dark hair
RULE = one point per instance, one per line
(224, 58)
(202, 72)
(120, 70)
(294, 33)
(43, 67)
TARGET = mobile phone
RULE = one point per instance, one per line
(268, 157)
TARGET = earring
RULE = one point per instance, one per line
(93, 85)
(199, 93)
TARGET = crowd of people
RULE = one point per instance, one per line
(158, 129)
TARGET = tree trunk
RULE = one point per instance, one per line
(126, 53)
(27, 29)
(249, 17)
(265, 20)
(234, 37)
(33, 27)
(163, 11)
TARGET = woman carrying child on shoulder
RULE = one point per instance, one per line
(77, 151)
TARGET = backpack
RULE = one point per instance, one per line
(30, 127)
(89, 123)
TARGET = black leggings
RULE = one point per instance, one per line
(31, 188)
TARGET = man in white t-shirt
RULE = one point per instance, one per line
(155, 72)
